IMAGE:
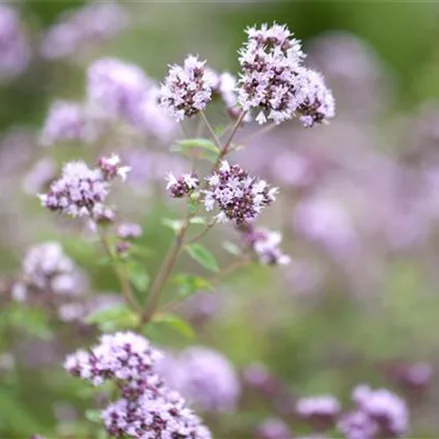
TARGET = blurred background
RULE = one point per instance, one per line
(358, 210)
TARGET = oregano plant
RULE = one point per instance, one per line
(139, 394)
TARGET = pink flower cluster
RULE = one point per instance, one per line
(187, 89)
(238, 196)
(274, 80)
(181, 186)
(148, 409)
(379, 413)
(265, 245)
(81, 191)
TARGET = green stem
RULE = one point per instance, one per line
(125, 284)
(164, 272)
(211, 130)
(202, 233)
(225, 149)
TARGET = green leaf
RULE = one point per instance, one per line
(174, 225)
(114, 318)
(176, 323)
(211, 157)
(232, 248)
(204, 144)
(189, 284)
(93, 416)
(203, 256)
(138, 276)
(198, 220)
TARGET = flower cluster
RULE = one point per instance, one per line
(274, 80)
(51, 278)
(66, 122)
(239, 196)
(273, 428)
(414, 378)
(320, 411)
(91, 24)
(154, 416)
(116, 88)
(14, 47)
(82, 191)
(204, 377)
(202, 307)
(111, 167)
(379, 413)
(265, 245)
(116, 91)
(123, 356)
(47, 267)
(122, 91)
(258, 377)
(152, 119)
(187, 90)
(129, 231)
(358, 425)
(147, 409)
(181, 186)
(318, 102)
(126, 232)
(325, 221)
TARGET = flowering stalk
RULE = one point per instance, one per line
(210, 129)
(232, 135)
(225, 150)
(164, 272)
(274, 84)
(172, 255)
(125, 284)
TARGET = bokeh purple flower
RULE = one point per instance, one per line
(14, 48)
(82, 28)
(204, 377)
